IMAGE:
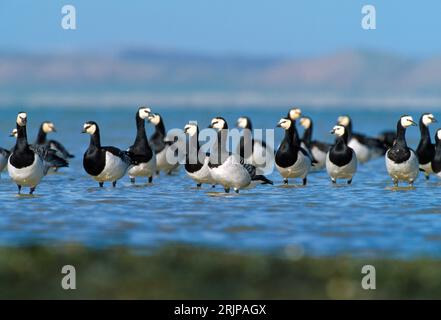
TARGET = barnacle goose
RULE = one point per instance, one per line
(401, 161)
(253, 151)
(317, 149)
(426, 149)
(140, 151)
(50, 156)
(45, 128)
(229, 170)
(366, 148)
(161, 146)
(292, 161)
(196, 161)
(25, 164)
(103, 163)
(341, 160)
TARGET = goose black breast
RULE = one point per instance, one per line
(94, 161)
(286, 156)
(341, 156)
(141, 153)
(399, 154)
(22, 158)
(426, 152)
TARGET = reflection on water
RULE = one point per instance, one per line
(368, 218)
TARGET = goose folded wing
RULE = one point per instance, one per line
(53, 144)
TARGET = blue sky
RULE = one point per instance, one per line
(259, 27)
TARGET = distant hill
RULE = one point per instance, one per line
(168, 77)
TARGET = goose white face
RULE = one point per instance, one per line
(284, 123)
(305, 122)
(338, 131)
(407, 121)
(144, 112)
(428, 119)
(343, 121)
(14, 133)
(48, 127)
(242, 122)
(22, 119)
(190, 129)
(438, 134)
(295, 113)
(154, 118)
(89, 128)
(217, 123)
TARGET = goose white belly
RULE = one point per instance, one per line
(162, 164)
(427, 167)
(231, 174)
(114, 169)
(299, 169)
(362, 151)
(203, 175)
(405, 171)
(28, 176)
(145, 169)
(261, 158)
(318, 156)
(346, 171)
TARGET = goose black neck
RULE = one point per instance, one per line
(95, 140)
(349, 128)
(160, 128)
(22, 137)
(295, 135)
(140, 129)
(41, 137)
(193, 148)
(307, 135)
(424, 130)
(342, 141)
(401, 135)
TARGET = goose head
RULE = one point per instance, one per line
(154, 118)
(144, 112)
(218, 123)
(305, 122)
(428, 118)
(191, 129)
(294, 113)
(406, 121)
(285, 123)
(48, 127)
(22, 119)
(90, 127)
(338, 130)
(244, 123)
(14, 133)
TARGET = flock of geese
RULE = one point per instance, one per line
(294, 158)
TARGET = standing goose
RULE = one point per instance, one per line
(51, 160)
(45, 128)
(161, 146)
(366, 148)
(227, 169)
(317, 149)
(25, 165)
(341, 160)
(426, 149)
(140, 151)
(103, 163)
(401, 161)
(436, 161)
(253, 151)
(292, 161)
(196, 161)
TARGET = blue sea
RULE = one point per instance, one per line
(366, 219)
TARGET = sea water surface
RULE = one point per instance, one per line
(367, 218)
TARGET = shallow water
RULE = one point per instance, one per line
(368, 218)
